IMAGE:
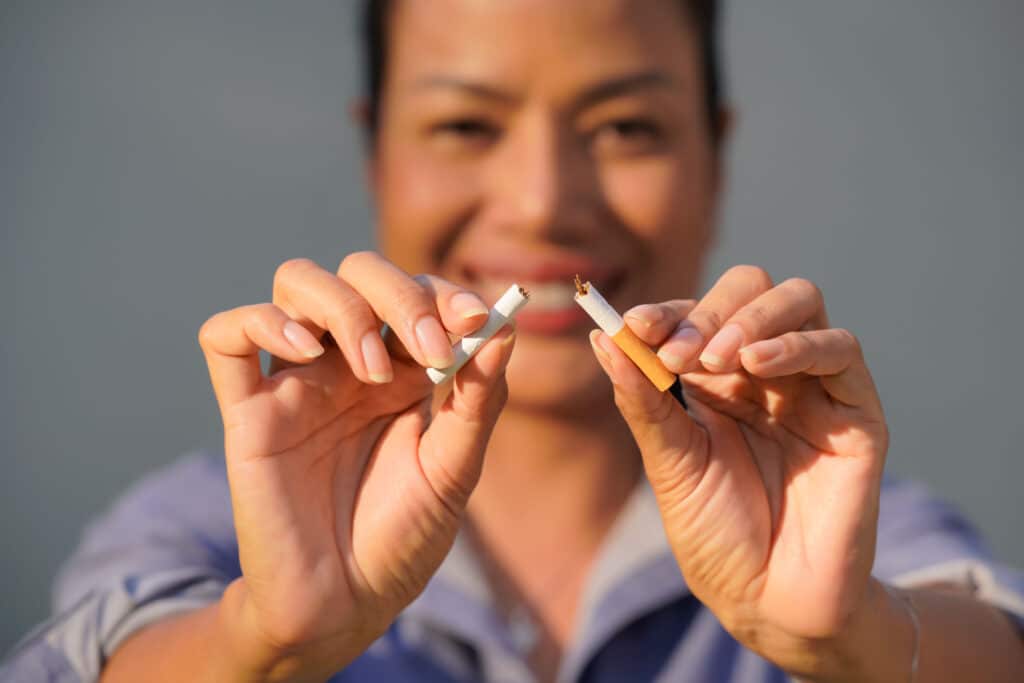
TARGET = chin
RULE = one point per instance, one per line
(556, 375)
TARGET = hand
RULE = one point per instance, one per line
(769, 487)
(346, 492)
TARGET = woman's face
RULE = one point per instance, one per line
(530, 140)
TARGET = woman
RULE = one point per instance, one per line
(529, 141)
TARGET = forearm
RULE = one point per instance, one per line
(216, 644)
(189, 646)
(959, 639)
(964, 639)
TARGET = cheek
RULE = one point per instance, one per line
(665, 204)
(656, 199)
(419, 206)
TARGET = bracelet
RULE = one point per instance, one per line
(905, 598)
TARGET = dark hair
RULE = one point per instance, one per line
(705, 15)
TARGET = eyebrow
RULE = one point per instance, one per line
(624, 85)
(605, 90)
(476, 88)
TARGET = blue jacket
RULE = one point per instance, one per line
(169, 545)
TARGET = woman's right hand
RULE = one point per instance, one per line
(346, 491)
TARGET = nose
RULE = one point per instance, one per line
(542, 183)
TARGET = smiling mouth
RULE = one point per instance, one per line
(552, 308)
(545, 295)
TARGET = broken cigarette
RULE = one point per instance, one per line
(514, 298)
(612, 324)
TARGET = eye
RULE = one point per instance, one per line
(629, 136)
(631, 128)
(467, 129)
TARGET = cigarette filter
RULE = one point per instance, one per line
(612, 324)
(514, 298)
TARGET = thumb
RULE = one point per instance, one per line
(673, 446)
(452, 448)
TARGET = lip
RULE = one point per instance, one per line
(529, 266)
(551, 322)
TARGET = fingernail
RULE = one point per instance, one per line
(723, 347)
(646, 314)
(606, 344)
(764, 351)
(594, 335)
(680, 348)
(302, 340)
(375, 356)
(434, 342)
(511, 338)
(468, 305)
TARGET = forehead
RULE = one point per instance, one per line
(530, 44)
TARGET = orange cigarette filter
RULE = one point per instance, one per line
(609, 320)
(644, 358)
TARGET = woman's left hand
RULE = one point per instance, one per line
(769, 487)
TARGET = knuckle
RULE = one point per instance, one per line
(412, 300)
(428, 282)
(293, 267)
(750, 273)
(707, 320)
(287, 272)
(501, 392)
(632, 411)
(208, 330)
(849, 340)
(350, 313)
(454, 491)
(355, 260)
(806, 289)
(622, 403)
(496, 400)
(261, 322)
(755, 318)
(798, 343)
(679, 307)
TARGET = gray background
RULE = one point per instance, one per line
(157, 160)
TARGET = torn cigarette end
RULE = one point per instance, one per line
(612, 324)
(514, 298)
(581, 287)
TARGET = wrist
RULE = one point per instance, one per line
(251, 657)
(877, 643)
(247, 658)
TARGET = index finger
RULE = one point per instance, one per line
(420, 311)
(737, 287)
(231, 341)
(654, 322)
(323, 302)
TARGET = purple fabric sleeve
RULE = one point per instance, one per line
(925, 540)
(166, 546)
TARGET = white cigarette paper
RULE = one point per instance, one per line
(606, 317)
(612, 324)
(514, 298)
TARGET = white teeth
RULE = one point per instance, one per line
(550, 296)
(544, 296)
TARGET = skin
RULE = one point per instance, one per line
(586, 144)
(544, 165)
